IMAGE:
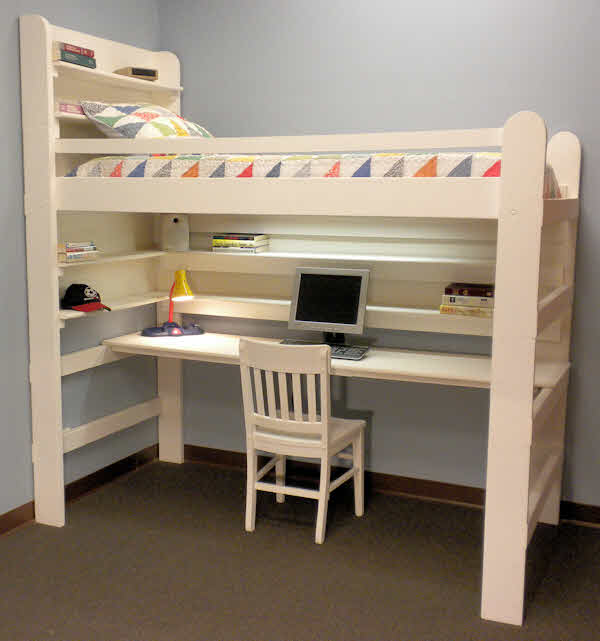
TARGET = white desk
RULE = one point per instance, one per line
(464, 370)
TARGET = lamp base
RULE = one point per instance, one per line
(172, 329)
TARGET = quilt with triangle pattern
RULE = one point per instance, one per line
(385, 165)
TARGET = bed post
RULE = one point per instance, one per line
(564, 157)
(42, 274)
(513, 363)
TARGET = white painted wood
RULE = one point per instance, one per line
(114, 258)
(423, 320)
(128, 302)
(541, 486)
(77, 437)
(564, 156)
(420, 268)
(386, 141)
(37, 103)
(464, 370)
(472, 198)
(313, 436)
(88, 358)
(545, 403)
(97, 76)
(556, 303)
(513, 362)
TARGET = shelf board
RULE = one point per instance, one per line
(382, 317)
(111, 79)
(118, 304)
(64, 115)
(464, 370)
(115, 258)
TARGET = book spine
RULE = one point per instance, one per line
(74, 256)
(469, 290)
(232, 236)
(226, 242)
(78, 250)
(66, 46)
(461, 310)
(71, 108)
(73, 245)
(239, 250)
(468, 301)
(75, 58)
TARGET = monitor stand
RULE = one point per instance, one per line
(335, 338)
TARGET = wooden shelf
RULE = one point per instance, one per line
(381, 266)
(382, 317)
(115, 258)
(99, 77)
(64, 115)
(118, 304)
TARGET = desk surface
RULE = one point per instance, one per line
(464, 370)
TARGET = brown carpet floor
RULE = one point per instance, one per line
(162, 554)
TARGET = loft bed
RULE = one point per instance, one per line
(414, 234)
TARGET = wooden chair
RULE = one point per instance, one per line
(277, 422)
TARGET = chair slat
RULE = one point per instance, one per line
(283, 396)
(312, 397)
(297, 397)
(258, 391)
(272, 407)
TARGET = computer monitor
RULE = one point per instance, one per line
(329, 300)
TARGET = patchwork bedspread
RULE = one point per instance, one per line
(392, 165)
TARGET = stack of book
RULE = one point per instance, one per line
(468, 299)
(72, 252)
(240, 243)
(74, 54)
(69, 106)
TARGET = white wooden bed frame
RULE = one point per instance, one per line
(414, 234)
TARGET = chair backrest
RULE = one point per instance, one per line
(286, 390)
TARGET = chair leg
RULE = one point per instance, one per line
(358, 462)
(323, 500)
(280, 476)
(251, 470)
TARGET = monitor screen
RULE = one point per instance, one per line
(329, 299)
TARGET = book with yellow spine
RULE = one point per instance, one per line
(463, 310)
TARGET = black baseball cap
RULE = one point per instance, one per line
(82, 298)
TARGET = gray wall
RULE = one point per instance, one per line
(90, 394)
(273, 67)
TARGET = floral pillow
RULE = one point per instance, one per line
(139, 121)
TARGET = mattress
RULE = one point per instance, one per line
(385, 165)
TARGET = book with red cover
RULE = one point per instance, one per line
(470, 289)
(82, 51)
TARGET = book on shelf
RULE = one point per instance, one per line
(468, 301)
(229, 242)
(75, 58)
(241, 250)
(73, 257)
(138, 72)
(67, 46)
(70, 108)
(239, 236)
(470, 289)
(464, 310)
(70, 245)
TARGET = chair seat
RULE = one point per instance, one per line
(341, 433)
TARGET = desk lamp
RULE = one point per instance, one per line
(180, 290)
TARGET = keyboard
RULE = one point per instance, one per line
(349, 352)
